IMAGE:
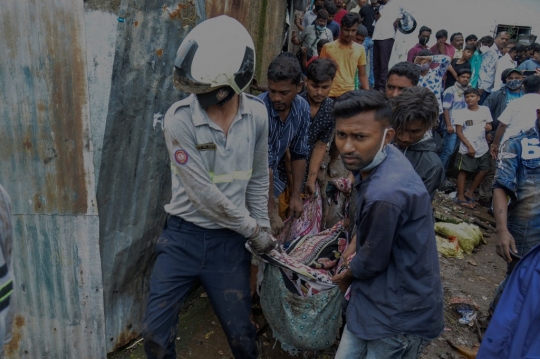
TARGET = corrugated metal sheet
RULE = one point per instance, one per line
(46, 167)
(63, 250)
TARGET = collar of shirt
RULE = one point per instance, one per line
(272, 113)
(200, 117)
(326, 105)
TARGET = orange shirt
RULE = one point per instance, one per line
(347, 58)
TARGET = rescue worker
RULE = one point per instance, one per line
(217, 140)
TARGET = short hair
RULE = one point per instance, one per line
(425, 52)
(487, 40)
(471, 90)
(362, 30)
(470, 47)
(321, 43)
(441, 33)
(285, 67)
(454, 35)
(330, 7)
(471, 37)
(406, 69)
(350, 19)
(464, 71)
(518, 48)
(501, 33)
(531, 84)
(354, 102)
(535, 47)
(322, 14)
(424, 29)
(321, 70)
(414, 103)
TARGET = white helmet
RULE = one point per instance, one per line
(215, 60)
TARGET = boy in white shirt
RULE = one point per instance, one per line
(473, 157)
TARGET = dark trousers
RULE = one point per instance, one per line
(483, 98)
(382, 50)
(219, 259)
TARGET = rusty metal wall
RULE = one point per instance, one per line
(134, 179)
(82, 278)
(46, 167)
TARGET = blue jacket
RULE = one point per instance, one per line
(514, 330)
(397, 285)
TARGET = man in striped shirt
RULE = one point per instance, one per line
(289, 120)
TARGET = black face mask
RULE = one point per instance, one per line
(318, 7)
(423, 40)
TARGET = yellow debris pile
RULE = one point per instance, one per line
(468, 235)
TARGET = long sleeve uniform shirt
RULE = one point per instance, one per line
(219, 180)
(291, 133)
(486, 76)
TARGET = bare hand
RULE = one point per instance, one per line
(472, 151)
(450, 129)
(420, 59)
(506, 244)
(488, 127)
(309, 188)
(343, 280)
(276, 223)
(377, 16)
(296, 206)
(494, 151)
(489, 137)
(304, 50)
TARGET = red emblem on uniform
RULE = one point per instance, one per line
(181, 157)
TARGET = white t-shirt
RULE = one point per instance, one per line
(474, 123)
(520, 115)
(384, 28)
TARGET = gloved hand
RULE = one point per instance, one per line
(261, 241)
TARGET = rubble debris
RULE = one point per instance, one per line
(468, 235)
(449, 247)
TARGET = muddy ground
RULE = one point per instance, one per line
(475, 277)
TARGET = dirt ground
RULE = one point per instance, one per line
(475, 277)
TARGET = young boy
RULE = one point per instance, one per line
(453, 100)
(473, 157)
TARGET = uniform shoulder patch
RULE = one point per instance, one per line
(181, 157)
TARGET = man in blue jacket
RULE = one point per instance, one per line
(396, 304)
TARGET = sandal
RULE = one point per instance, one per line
(463, 203)
(471, 201)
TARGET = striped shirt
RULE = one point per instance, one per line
(291, 133)
(219, 180)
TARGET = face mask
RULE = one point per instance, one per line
(320, 28)
(379, 157)
(484, 49)
(318, 7)
(423, 67)
(424, 40)
(513, 85)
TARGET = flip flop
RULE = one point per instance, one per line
(464, 204)
(471, 201)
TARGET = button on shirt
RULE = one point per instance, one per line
(486, 76)
(433, 79)
(518, 172)
(520, 115)
(291, 133)
(384, 27)
(218, 180)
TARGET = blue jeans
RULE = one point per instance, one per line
(368, 45)
(448, 147)
(402, 346)
(219, 259)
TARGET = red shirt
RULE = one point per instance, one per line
(448, 49)
(339, 16)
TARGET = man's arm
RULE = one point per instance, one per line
(257, 190)
(378, 226)
(448, 100)
(362, 75)
(187, 163)
(299, 152)
(494, 150)
(317, 156)
(505, 184)
(444, 62)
